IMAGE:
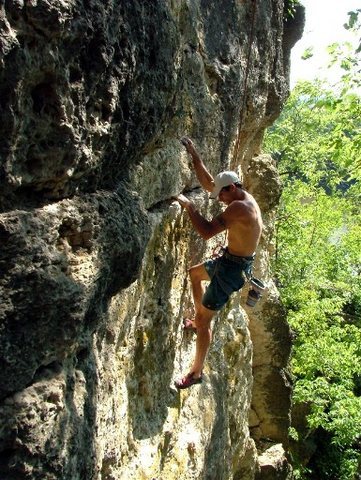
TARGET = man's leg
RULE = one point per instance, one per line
(203, 318)
(202, 322)
(204, 338)
(198, 274)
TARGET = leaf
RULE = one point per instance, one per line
(308, 53)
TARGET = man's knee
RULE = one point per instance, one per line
(198, 273)
(192, 272)
(203, 317)
(202, 324)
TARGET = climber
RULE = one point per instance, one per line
(243, 223)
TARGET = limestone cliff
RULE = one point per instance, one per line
(94, 96)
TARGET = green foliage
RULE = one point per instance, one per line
(346, 56)
(308, 53)
(354, 23)
(316, 143)
(290, 8)
(353, 20)
(334, 463)
(334, 154)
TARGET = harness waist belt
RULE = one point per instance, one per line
(238, 259)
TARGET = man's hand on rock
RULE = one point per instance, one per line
(187, 142)
(183, 200)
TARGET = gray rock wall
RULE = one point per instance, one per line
(94, 96)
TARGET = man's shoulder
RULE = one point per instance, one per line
(235, 210)
(241, 209)
(238, 205)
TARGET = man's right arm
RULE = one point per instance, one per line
(203, 175)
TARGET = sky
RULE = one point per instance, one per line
(324, 25)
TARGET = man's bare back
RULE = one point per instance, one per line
(243, 222)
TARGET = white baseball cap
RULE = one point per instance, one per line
(223, 179)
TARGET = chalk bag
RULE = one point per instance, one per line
(255, 292)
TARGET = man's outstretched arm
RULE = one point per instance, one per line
(204, 177)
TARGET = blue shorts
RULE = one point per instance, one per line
(227, 276)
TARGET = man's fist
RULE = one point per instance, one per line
(187, 142)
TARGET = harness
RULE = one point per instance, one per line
(238, 259)
(257, 287)
(246, 262)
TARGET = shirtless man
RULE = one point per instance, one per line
(243, 222)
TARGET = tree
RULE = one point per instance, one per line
(316, 143)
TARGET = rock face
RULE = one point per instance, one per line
(94, 96)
